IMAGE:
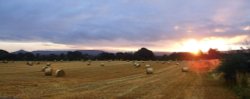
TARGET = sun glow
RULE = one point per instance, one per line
(192, 46)
(223, 44)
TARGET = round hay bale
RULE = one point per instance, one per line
(60, 73)
(137, 65)
(149, 70)
(89, 62)
(184, 69)
(147, 66)
(38, 63)
(48, 64)
(43, 69)
(48, 71)
(102, 64)
(30, 63)
(177, 64)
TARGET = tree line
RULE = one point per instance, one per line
(141, 54)
(235, 67)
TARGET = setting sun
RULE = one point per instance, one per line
(194, 46)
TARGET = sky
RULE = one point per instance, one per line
(124, 25)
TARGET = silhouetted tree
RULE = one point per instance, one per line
(233, 63)
(163, 57)
(52, 57)
(119, 55)
(213, 54)
(4, 55)
(181, 56)
(76, 55)
(200, 55)
(128, 56)
(144, 54)
(29, 56)
(106, 56)
(62, 56)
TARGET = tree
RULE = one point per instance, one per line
(52, 57)
(119, 55)
(128, 56)
(144, 54)
(213, 54)
(106, 56)
(4, 55)
(181, 56)
(76, 55)
(164, 57)
(62, 56)
(29, 56)
(233, 64)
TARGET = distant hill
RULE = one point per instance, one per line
(58, 52)
(20, 51)
(90, 52)
(162, 53)
(44, 52)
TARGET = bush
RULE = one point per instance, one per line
(232, 65)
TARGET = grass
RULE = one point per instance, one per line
(242, 93)
(117, 79)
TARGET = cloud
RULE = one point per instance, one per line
(128, 23)
(246, 28)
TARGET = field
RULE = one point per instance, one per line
(115, 80)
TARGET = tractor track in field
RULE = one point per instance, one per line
(167, 83)
(100, 85)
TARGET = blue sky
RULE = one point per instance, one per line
(162, 25)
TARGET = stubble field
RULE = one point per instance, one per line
(115, 80)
